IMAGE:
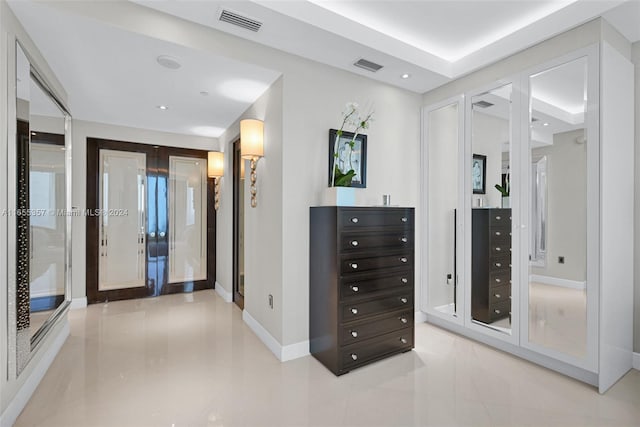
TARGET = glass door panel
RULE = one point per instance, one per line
(491, 219)
(557, 297)
(442, 161)
(122, 252)
(188, 216)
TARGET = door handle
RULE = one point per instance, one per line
(162, 234)
(152, 234)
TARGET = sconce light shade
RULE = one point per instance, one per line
(215, 164)
(251, 139)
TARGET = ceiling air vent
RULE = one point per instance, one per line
(482, 104)
(367, 65)
(238, 20)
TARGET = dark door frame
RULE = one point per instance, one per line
(238, 298)
(157, 166)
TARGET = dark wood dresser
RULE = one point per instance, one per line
(490, 264)
(361, 279)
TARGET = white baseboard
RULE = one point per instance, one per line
(19, 401)
(288, 352)
(420, 317)
(222, 292)
(555, 281)
(78, 303)
(636, 361)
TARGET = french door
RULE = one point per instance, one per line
(149, 231)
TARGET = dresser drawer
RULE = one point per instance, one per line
(500, 263)
(499, 310)
(350, 219)
(359, 331)
(500, 218)
(499, 293)
(357, 310)
(500, 248)
(365, 241)
(499, 278)
(376, 348)
(356, 287)
(351, 264)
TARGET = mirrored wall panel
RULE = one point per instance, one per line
(188, 216)
(41, 218)
(443, 189)
(491, 247)
(558, 209)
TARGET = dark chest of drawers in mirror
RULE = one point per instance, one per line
(490, 264)
(361, 284)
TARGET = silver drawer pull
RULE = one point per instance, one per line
(354, 311)
(354, 266)
(403, 340)
(498, 280)
(354, 243)
(404, 240)
(404, 280)
(498, 233)
(497, 295)
(498, 264)
(403, 320)
(403, 300)
(354, 356)
(354, 288)
(403, 219)
(403, 259)
(498, 249)
(354, 334)
(355, 220)
(498, 218)
(497, 311)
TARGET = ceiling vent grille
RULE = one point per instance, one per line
(482, 104)
(367, 65)
(238, 20)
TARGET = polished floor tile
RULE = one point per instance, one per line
(189, 360)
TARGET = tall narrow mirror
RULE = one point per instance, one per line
(442, 161)
(558, 209)
(42, 221)
(491, 117)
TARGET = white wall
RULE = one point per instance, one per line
(14, 392)
(263, 224)
(566, 207)
(83, 130)
(636, 323)
(314, 97)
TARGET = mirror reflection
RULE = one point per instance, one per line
(41, 200)
(442, 158)
(491, 211)
(558, 211)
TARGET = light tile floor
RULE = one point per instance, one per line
(189, 360)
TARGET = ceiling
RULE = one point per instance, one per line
(112, 75)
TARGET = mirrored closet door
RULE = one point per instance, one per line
(558, 208)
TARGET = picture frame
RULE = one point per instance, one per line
(479, 174)
(357, 160)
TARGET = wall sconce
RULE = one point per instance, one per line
(215, 170)
(252, 148)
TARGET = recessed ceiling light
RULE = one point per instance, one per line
(163, 107)
(168, 62)
(405, 76)
(545, 124)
